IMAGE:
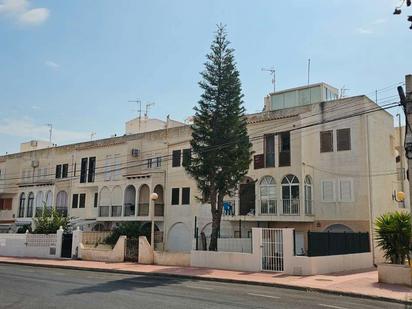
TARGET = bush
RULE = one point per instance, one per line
(49, 222)
(23, 229)
(129, 229)
(394, 236)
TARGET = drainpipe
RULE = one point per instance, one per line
(370, 200)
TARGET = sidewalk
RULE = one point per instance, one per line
(360, 284)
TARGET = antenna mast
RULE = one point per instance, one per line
(272, 71)
(148, 105)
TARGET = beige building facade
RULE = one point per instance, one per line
(324, 164)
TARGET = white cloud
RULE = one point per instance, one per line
(34, 16)
(370, 28)
(52, 64)
(20, 11)
(26, 128)
(362, 30)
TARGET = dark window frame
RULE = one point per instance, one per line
(65, 170)
(83, 170)
(343, 139)
(326, 141)
(58, 171)
(186, 196)
(176, 158)
(91, 169)
(269, 150)
(75, 200)
(187, 156)
(82, 200)
(96, 198)
(175, 196)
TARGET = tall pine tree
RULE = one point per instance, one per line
(220, 145)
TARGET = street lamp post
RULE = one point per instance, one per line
(153, 197)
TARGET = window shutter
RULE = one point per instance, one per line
(175, 196)
(75, 200)
(185, 196)
(258, 161)
(65, 170)
(326, 141)
(58, 171)
(328, 191)
(176, 154)
(187, 156)
(343, 139)
(345, 190)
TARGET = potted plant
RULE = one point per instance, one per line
(393, 236)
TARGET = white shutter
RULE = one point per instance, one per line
(328, 191)
(117, 166)
(345, 190)
(107, 168)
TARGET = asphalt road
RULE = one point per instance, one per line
(36, 287)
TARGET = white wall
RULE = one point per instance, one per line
(104, 253)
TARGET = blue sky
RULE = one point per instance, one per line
(76, 63)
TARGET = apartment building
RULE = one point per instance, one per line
(320, 163)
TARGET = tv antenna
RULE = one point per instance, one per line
(272, 71)
(50, 131)
(139, 104)
(148, 105)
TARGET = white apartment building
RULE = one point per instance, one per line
(320, 163)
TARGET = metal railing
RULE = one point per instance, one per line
(159, 209)
(143, 209)
(62, 211)
(308, 207)
(104, 211)
(268, 207)
(129, 210)
(116, 211)
(229, 207)
(290, 207)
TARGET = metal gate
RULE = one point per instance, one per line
(131, 253)
(272, 250)
(67, 240)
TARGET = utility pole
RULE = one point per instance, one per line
(50, 132)
(406, 101)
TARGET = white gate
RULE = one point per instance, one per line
(272, 249)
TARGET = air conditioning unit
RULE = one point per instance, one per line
(35, 163)
(135, 152)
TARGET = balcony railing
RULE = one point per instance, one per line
(116, 211)
(268, 207)
(290, 207)
(143, 209)
(229, 207)
(129, 210)
(62, 211)
(308, 207)
(159, 209)
(104, 211)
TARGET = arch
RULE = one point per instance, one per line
(267, 191)
(290, 195)
(61, 199)
(144, 200)
(129, 201)
(39, 204)
(105, 198)
(22, 201)
(308, 189)
(179, 238)
(30, 203)
(338, 228)
(159, 202)
(49, 199)
(117, 201)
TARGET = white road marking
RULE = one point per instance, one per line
(198, 287)
(332, 306)
(263, 295)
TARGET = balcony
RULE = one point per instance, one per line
(290, 207)
(268, 207)
(129, 210)
(308, 207)
(116, 211)
(229, 207)
(104, 211)
(143, 209)
(159, 209)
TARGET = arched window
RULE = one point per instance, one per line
(49, 199)
(290, 195)
(117, 201)
(308, 195)
(61, 203)
(30, 202)
(21, 205)
(104, 202)
(268, 195)
(159, 202)
(129, 201)
(39, 203)
(144, 200)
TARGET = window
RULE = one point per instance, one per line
(6, 203)
(82, 200)
(96, 198)
(58, 171)
(185, 196)
(149, 163)
(258, 161)
(75, 201)
(118, 166)
(30, 202)
(107, 171)
(176, 154)
(308, 195)
(328, 190)
(269, 150)
(21, 205)
(92, 169)
(175, 196)
(83, 170)
(343, 139)
(61, 199)
(65, 170)
(290, 195)
(326, 141)
(187, 156)
(345, 190)
(49, 199)
(268, 195)
(284, 149)
(158, 161)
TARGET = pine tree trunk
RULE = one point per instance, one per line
(216, 206)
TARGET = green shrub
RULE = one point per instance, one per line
(50, 221)
(130, 230)
(393, 234)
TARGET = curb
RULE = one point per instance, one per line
(216, 279)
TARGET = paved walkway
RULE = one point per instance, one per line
(363, 283)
